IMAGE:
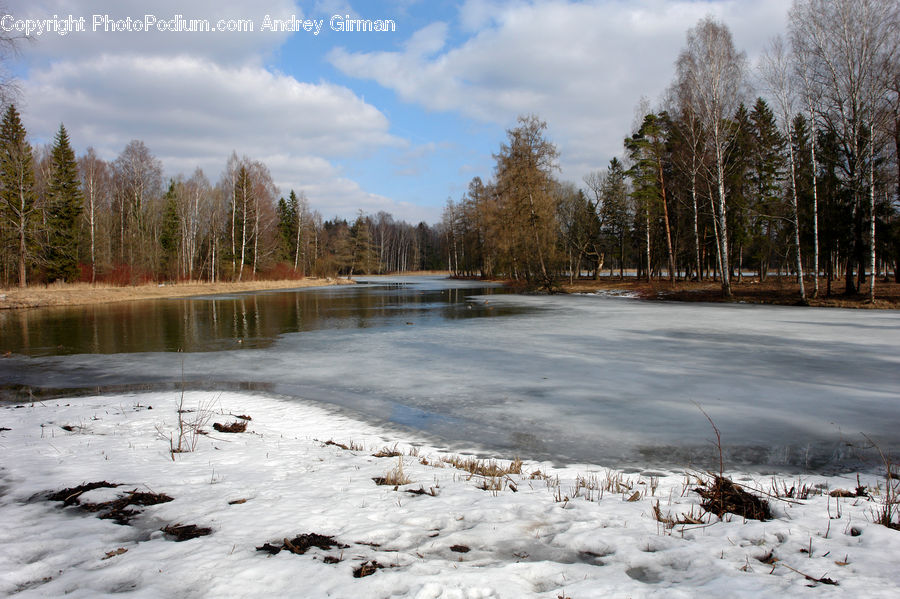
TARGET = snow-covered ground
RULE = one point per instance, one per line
(534, 535)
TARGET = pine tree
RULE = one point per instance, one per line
(17, 185)
(64, 202)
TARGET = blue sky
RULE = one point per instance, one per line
(395, 121)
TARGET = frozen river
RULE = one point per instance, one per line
(605, 380)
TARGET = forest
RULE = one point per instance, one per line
(788, 167)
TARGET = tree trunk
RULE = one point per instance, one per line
(662, 188)
(796, 218)
(815, 199)
(722, 228)
(696, 227)
(872, 210)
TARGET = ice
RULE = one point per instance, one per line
(591, 379)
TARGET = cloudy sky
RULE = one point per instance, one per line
(396, 121)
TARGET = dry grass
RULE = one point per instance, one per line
(394, 477)
(71, 294)
(773, 291)
(486, 468)
(351, 446)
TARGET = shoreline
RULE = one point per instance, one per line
(76, 294)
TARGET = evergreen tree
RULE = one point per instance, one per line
(64, 203)
(17, 185)
(363, 258)
(614, 211)
(168, 238)
(766, 178)
(649, 152)
(287, 225)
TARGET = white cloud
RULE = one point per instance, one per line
(192, 112)
(193, 98)
(581, 66)
(223, 47)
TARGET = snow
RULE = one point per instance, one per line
(539, 541)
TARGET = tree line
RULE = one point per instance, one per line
(64, 218)
(791, 167)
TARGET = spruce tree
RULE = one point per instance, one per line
(168, 238)
(17, 185)
(64, 201)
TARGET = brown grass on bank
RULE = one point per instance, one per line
(772, 291)
(71, 294)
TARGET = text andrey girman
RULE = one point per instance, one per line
(178, 24)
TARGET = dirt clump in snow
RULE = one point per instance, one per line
(71, 495)
(117, 509)
(185, 532)
(721, 495)
(233, 427)
(367, 569)
(302, 543)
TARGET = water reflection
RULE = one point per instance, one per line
(218, 323)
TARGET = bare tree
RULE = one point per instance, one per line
(713, 73)
(776, 73)
(138, 182)
(851, 48)
(95, 187)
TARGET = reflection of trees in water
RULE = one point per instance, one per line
(216, 324)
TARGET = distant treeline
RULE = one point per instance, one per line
(713, 183)
(91, 220)
(802, 180)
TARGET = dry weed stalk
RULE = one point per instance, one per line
(887, 514)
(394, 477)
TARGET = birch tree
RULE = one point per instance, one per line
(776, 71)
(95, 189)
(713, 72)
(851, 49)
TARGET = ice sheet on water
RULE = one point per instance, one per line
(577, 378)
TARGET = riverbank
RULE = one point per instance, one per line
(284, 498)
(750, 291)
(72, 294)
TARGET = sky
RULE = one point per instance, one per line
(397, 121)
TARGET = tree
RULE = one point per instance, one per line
(94, 188)
(777, 74)
(614, 211)
(138, 179)
(524, 174)
(690, 152)
(649, 153)
(766, 175)
(65, 203)
(17, 184)
(849, 50)
(713, 75)
(169, 235)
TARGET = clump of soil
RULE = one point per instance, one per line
(70, 496)
(367, 569)
(721, 495)
(459, 548)
(184, 532)
(118, 509)
(302, 543)
(233, 427)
